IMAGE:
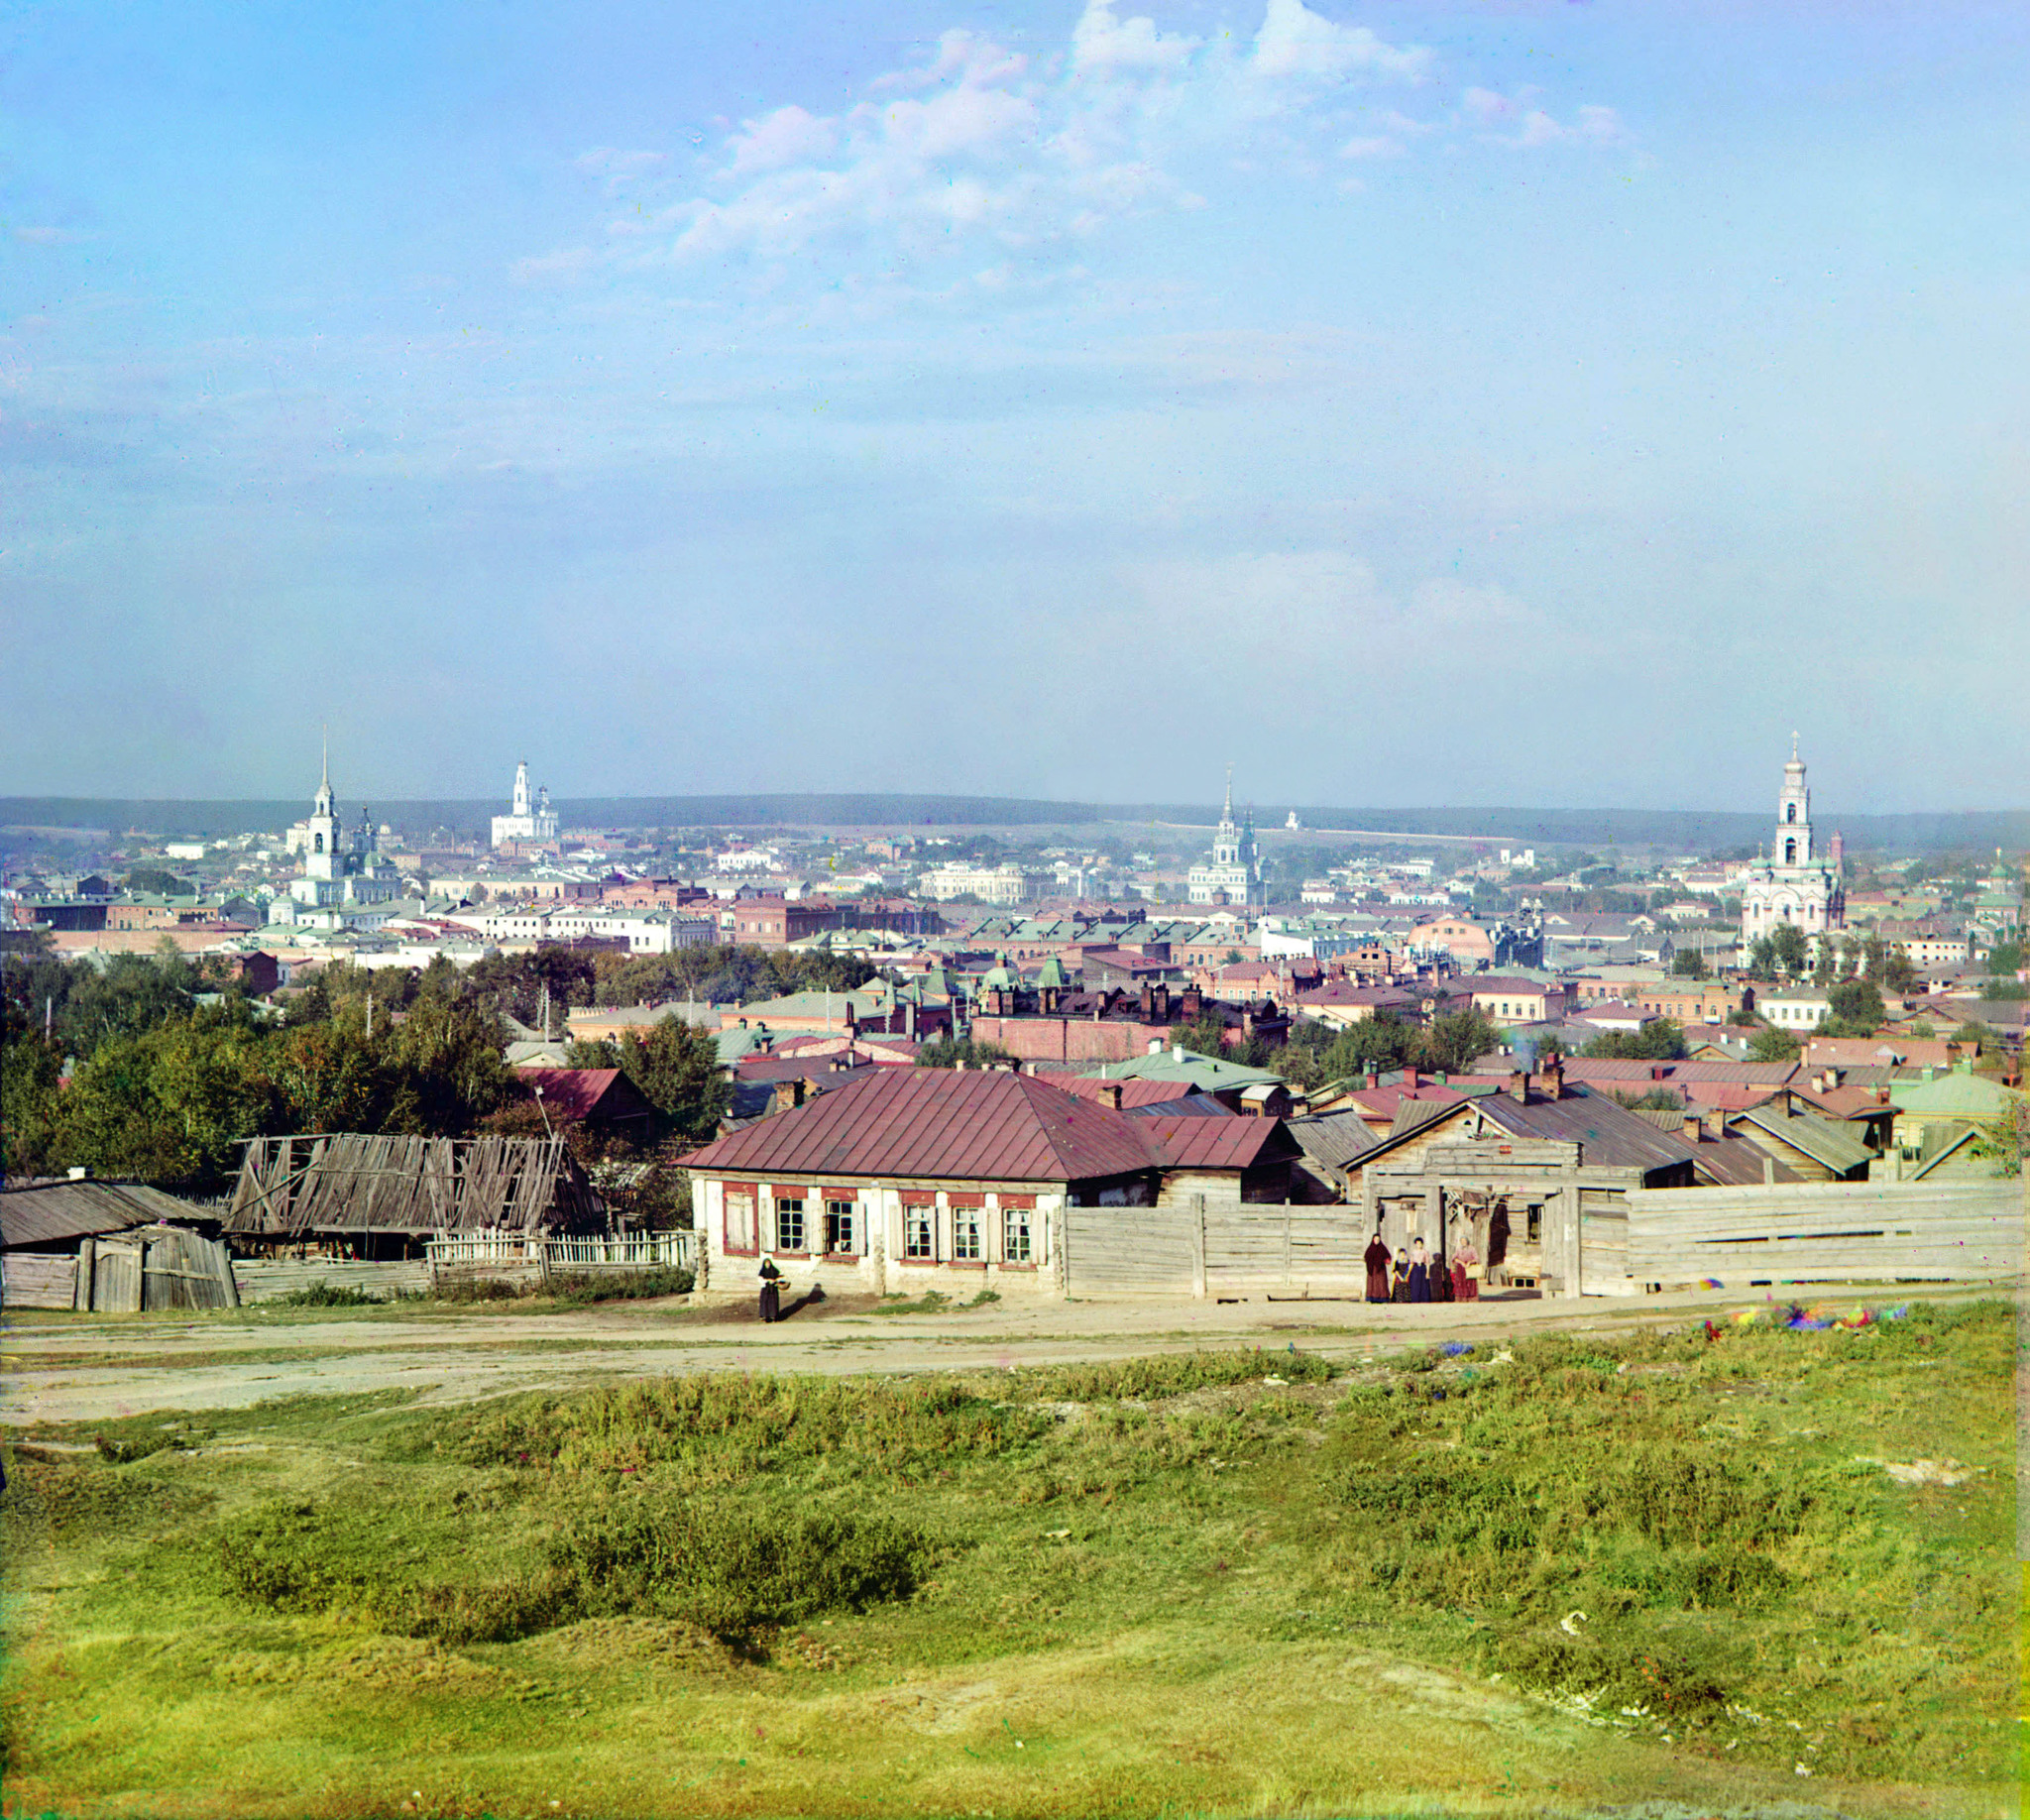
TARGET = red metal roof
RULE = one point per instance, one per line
(1219, 1143)
(939, 1122)
(573, 1093)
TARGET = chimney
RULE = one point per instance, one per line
(1148, 1000)
(1693, 1129)
(1162, 1002)
(1110, 1093)
(797, 1088)
(1554, 1078)
(1410, 1076)
(1156, 1045)
(1518, 1087)
(1372, 1082)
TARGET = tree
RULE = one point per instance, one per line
(153, 881)
(1205, 1035)
(1689, 963)
(1450, 1044)
(954, 1052)
(1660, 1041)
(1787, 948)
(1857, 1009)
(677, 1070)
(1770, 1043)
(31, 1087)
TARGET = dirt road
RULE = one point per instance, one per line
(62, 1368)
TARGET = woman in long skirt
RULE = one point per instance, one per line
(772, 1291)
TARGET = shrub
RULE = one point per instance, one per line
(632, 1286)
(328, 1295)
(734, 1571)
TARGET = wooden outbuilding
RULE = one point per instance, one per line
(379, 1196)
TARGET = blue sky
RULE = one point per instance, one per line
(1529, 404)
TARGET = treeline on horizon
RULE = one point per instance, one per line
(1689, 831)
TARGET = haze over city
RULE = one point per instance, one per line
(1540, 405)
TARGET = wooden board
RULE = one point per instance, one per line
(1827, 1231)
(39, 1279)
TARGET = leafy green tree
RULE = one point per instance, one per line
(328, 1077)
(1770, 1043)
(1857, 1009)
(153, 881)
(951, 1052)
(1660, 1041)
(1689, 963)
(1787, 945)
(448, 1071)
(169, 1105)
(1450, 1043)
(677, 1070)
(1205, 1035)
(31, 1088)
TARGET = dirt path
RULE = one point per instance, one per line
(63, 1369)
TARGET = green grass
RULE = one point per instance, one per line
(1226, 1582)
(934, 1302)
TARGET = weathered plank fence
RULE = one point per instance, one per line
(1212, 1248)
(270, 1279)
(1826, 1232)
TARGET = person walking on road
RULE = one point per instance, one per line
(772, 1291)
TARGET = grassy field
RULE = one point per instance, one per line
(1666, 1573)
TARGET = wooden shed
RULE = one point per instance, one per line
(384, 1197)
(111, 1247)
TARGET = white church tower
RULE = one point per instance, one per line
(528, 820)
(1791, 885)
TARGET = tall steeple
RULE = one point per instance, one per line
(322, 802)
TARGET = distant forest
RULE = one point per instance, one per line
(1685, 831)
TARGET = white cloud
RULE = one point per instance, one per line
(978, 159)
(1295, 42)
(779, 139)
(1102, 44)
(1516, 120)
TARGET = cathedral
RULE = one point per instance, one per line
(1792, 884)
(529, 821)
(1235, 874)
(343, 869)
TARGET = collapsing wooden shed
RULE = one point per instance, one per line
(383, 1196)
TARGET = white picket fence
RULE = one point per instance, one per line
(476, 1253)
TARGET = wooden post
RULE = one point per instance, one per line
(88, 1253)
(1197, 1231)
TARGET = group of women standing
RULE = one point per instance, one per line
(1411, 1275)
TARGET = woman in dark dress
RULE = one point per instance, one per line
(772, 1291)
(1376, 1258)
(1420, 1274)
(1399, 1276)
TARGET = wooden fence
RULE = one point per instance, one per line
(1826, 1232)
(1212, 1248)
(270, 1279)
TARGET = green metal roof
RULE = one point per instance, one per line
(1204, 1073)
